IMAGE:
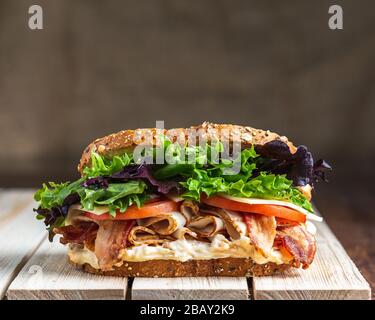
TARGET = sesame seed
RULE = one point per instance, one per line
(247, 137)
(284, 138)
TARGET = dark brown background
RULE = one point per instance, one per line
(101, 66)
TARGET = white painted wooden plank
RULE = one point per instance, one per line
(209, 288)
(332, 275)
(48, 275)
(20, 233)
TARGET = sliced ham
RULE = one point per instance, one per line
(111, 238)
(299, 243)
(261, 231)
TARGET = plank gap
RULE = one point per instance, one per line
(250, 288)
(128, 293)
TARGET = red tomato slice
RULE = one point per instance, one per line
(133, 212)
(266, 209)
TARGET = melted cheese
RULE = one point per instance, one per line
(184, 250)
(80, 255)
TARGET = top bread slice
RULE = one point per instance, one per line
(118, 143)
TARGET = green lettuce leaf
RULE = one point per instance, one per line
(118, 196)
(53, 194)
(101, 166)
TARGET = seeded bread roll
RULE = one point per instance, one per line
(119, 142)
(224, 267)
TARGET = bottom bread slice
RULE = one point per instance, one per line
(224, 267)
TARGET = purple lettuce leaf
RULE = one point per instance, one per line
(96, 183)
(144, 172)
(320, 169)
(56, 215)
(299, 167)
(133, 172)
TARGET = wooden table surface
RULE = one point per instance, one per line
(352, 219)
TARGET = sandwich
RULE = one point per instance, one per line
(209, 200)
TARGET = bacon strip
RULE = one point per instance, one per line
(111, 238)
(299, 243)
(261, 231)
(83, 232)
